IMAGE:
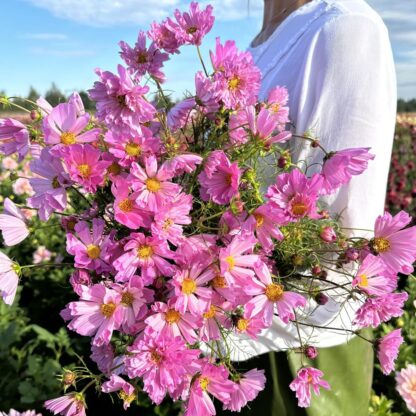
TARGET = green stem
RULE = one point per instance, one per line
(202, 61)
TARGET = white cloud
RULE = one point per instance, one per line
(134, 12)
(44, 36)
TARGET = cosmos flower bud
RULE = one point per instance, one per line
(328, 235)
(321, 299)
(311, 352)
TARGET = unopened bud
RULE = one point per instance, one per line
(321, 299)
(316, 270)
(315, 143)
(311, 352)
(69, 378)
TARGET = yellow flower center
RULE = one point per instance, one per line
(127, 299)
(191, 30)
(381, 244)
(126, 205)
(259, 219)
(114, 169)
(155, 357)
(153, 185)
(127, 398)
(188, 286)
(133, 149)
(275, 107)
(299, 209)
(242, 324)
(210, 313)
(84, 170)
(55, 183)
(203, 382)
(229, 179)
(142, 57)
(231, 262)
(93, 251)
(274, 292)
(234, 82)
(172, 316)
(310, 379)
(68, 138)
(219, 282)
(363, 280)
(167, 224)
(144, 252)
(107, 309)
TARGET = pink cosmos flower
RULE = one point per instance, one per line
(388, 350)
(41, 254)
(141, 60)
(195, 248)
(152, 185)
(265, 127)
(181, 114)
(78, 279)
(93, 249)
(212, 380)
(185, 162)
(9, 279)
(84, 166)
(220, 178)
(339, 167)
(308, 379)
(169, 220)
(248, 386)
(249, 325)
(8, 163)
(134, 297)
(164, 36)
(373, 278)
(406, 386)
(236, 78)
(13, 224)
(48, 185)
(238, 128)
(14, 137)
(72, 404)
(164, 364)
(63, 127)
(205, 94)
(236, 265)
(193, 26)
(264, 222)
(132, 148)
(126, 390)
(13, 412)
(296, 195)
(21, 186)
(214, 319)
(120, 102)
(190, 286)
(166, 320)
(103, 356)
(98, 313)
(268, 295)
(393, 244)
(126, 210)
(380, 309)
(277, 104)
(147, 253)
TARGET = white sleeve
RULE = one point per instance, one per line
(348, 98)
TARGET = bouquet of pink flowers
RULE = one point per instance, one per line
(190, 226)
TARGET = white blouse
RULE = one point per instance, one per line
(335, 59)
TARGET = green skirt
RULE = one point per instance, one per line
(348, 368)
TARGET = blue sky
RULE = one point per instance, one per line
(64, 40)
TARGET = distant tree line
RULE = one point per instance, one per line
(53, 95)
(408, 106)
